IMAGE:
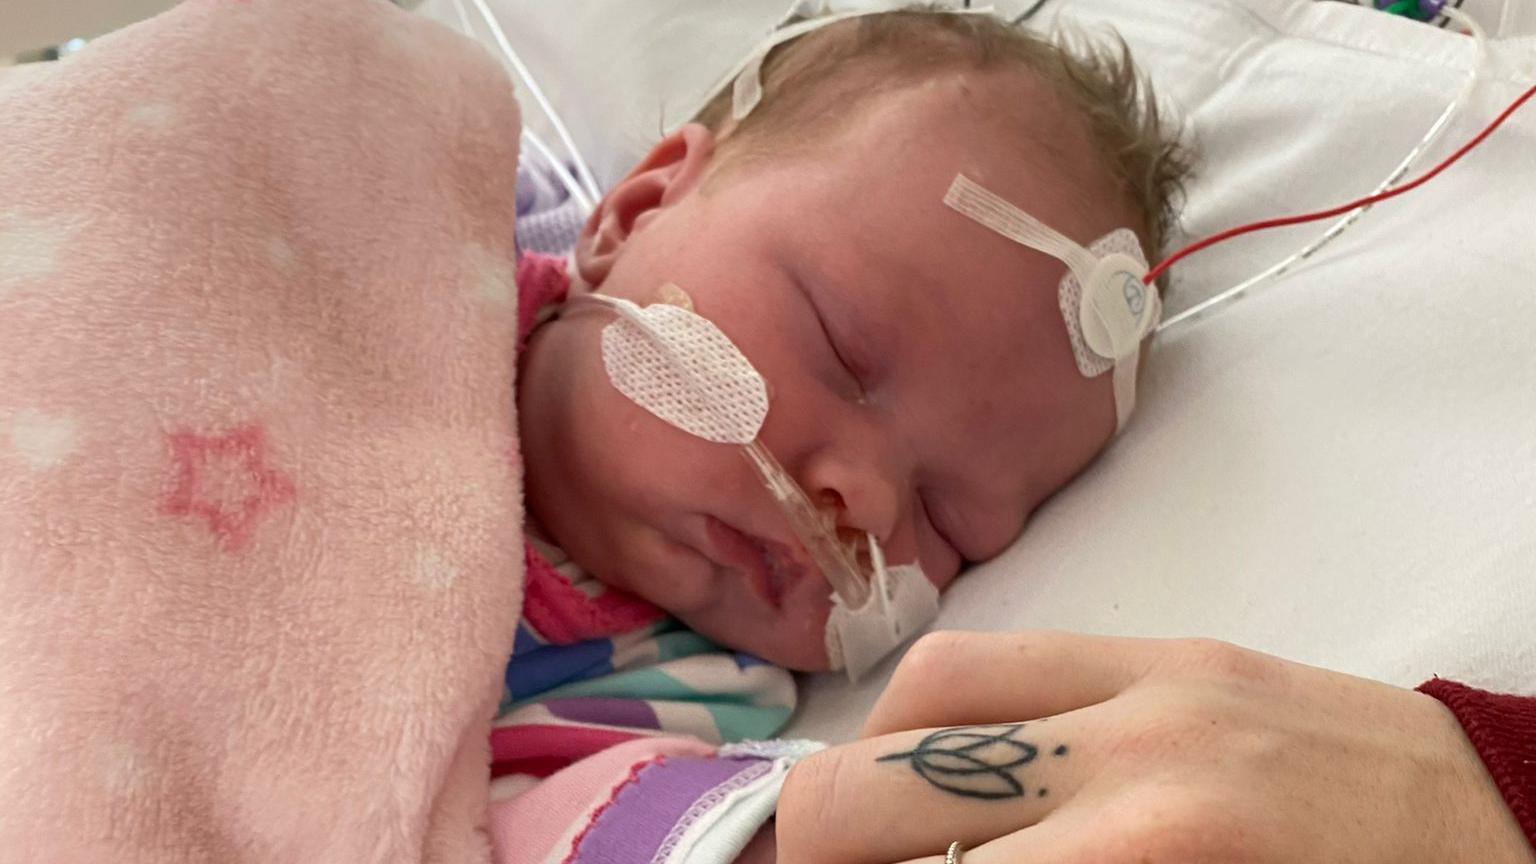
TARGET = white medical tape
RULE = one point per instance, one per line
(967, 197)
(901, 603)
(1125, 390)
(745, 78)
(681, 368)
(1107, 308)
(747, 90)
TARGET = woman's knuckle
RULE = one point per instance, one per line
(934, 648)
(929, 655)
(1181, 825)
(1165, 731)
(1227, 661)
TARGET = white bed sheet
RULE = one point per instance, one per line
(1340, 469)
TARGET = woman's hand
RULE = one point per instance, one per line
(1089, 750)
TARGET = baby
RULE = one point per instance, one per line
(924, 389)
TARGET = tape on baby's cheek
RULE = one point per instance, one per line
(681, 368)
(902, 602)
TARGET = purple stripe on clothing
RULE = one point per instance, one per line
(634, 824)
(611, 711)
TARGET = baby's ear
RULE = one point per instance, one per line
(665, 176)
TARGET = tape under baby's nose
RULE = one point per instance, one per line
(681, 368)
(902, 601)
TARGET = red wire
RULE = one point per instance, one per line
(1208, 242)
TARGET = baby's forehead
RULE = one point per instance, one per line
(1004, 128)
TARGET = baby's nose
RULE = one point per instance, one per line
(858, 502)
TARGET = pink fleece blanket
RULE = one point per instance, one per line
(260, 551)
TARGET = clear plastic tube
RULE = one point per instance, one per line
(1203, 309)
(846, 565)
(837, 563)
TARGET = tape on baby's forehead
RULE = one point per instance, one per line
(971, 199)
(1107, 308)
(746, 80)
(1070, 297)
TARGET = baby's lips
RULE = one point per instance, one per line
(854, 542)
(791, 554)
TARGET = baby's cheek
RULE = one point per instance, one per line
(942, 579)
(940, 563)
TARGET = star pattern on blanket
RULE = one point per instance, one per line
(225, 480)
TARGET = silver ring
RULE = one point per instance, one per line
(953, 855)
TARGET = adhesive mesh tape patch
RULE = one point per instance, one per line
(684, 370)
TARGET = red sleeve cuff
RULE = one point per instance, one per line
(1503, 729)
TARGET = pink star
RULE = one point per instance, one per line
(225, 480)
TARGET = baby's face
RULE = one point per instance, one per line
(921, 381)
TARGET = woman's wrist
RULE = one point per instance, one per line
(1501, 730)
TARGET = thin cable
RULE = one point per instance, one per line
(465, 27)
(538, 95)
(1454, 14)
(1343, 208)
(1430, 137)
(1028, 13)
(563, 174)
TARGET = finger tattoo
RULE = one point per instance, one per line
(986, 762)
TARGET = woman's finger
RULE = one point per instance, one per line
(1068, 837)
(956, 677)
(891, 798)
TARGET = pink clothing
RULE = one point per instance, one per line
(564, 614)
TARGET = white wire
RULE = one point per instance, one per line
(1455, 14)
(583, 199)
(464, 26)
(561, 173)
(785, 32)
(1480, 38)
(538, 95)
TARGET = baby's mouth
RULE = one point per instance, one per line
(771, 568)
